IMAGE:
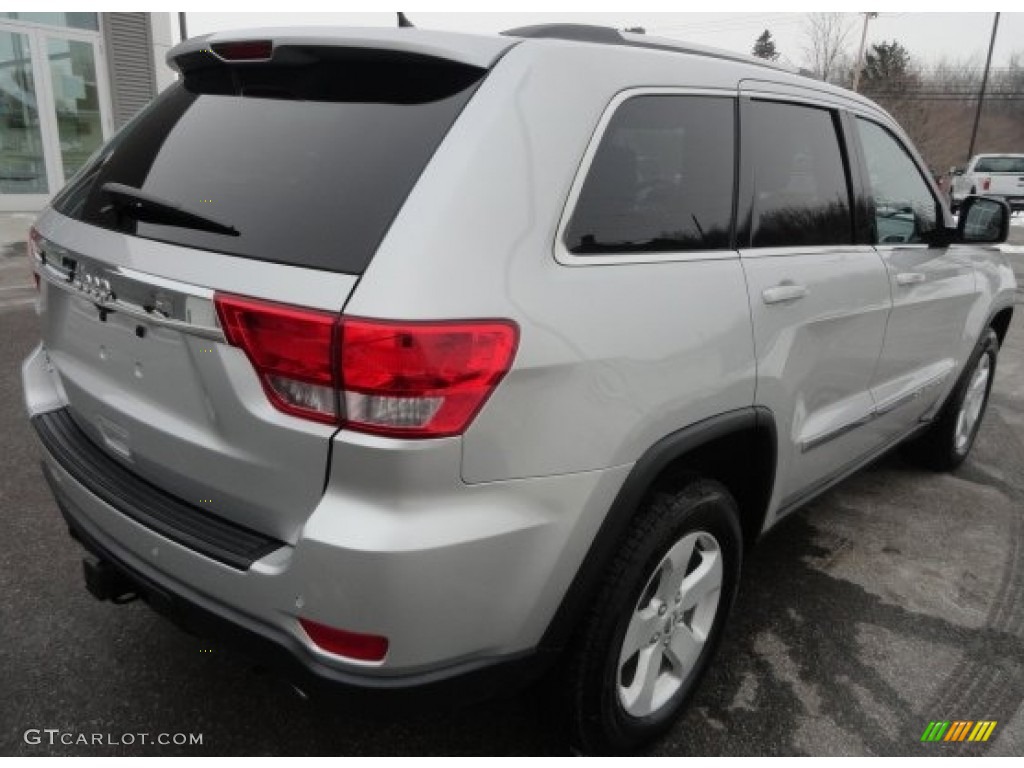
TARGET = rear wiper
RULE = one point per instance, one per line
(143, 206)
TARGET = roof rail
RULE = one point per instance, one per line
(584, 33)
(590, 33)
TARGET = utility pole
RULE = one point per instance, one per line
(182, 27)
(984, 85)
(860, 51)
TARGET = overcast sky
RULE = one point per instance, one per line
(928, 36)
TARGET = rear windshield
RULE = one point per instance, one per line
(308, 162)
(1000, 165)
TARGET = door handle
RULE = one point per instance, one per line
(783, 292)
(910, 278)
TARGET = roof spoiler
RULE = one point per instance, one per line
(286, 44)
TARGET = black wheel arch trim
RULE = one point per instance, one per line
(990, 322)
(636, 486)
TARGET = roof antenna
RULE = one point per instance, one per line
(403, 20)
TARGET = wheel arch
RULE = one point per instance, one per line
(1000, 323)
(737, 448)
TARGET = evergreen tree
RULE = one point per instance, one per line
(764, 47)
(887, 67)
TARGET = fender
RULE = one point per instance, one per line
(636, 486)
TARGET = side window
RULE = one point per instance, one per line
(661, 179)
(905, 209)
(801, 194)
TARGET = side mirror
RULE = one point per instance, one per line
(983, 220)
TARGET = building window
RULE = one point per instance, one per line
(74, 20)
(22, 170)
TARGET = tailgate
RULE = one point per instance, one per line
(150, 380)
(1006, 185)
(273, 177)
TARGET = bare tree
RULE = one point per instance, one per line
(827, 40)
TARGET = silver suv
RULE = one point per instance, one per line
(430, 363)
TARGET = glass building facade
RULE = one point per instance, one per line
(58, 100)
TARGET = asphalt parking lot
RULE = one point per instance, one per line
(896, 599)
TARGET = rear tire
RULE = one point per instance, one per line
(656, 621)
(945, 444)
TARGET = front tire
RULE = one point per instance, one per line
(945, 445)
(656, 622)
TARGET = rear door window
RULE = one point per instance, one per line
(660, 180)
(801, 188)
(309, 162)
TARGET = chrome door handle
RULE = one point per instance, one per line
(783, 292)
(910, 278)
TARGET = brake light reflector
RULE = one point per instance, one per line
(291, 349)
(421, 379)
(400, 379)
(244, 50)
(354, 645)
(986, 183)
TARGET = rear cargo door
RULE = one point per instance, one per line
(273, 179)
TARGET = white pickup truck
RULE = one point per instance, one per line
(993, 176)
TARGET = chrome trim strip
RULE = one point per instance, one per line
(880, 409)
(900, 400)
(149, 298)
(562, 254)
(773, 251)
(811, 443)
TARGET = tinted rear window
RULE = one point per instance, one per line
(801, 193)
(1000, 165)
(661, 179)
(309, 162)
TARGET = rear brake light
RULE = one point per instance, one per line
(244, 50)
(986, 183)
(400, 379)
(353, 645)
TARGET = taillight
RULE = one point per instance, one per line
(986, 183)
(400, 379)
(354, 645)
(421, 379)
(291, 349)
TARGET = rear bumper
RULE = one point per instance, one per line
(462, 580)
(279, 650)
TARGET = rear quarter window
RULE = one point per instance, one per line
(309, 163)
(660, 180)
